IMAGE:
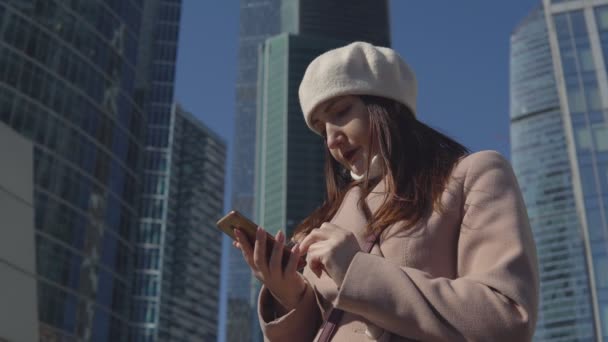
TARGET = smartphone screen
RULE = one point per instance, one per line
(235, 220)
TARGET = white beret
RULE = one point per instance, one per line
(357, 69)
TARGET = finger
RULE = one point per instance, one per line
(314, 236)
(259, 251)
(245, 249)
(292, 264)
(277, 253)
(242, 239)
(327, 225)
(316, 267)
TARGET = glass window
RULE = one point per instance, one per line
(6, 104)
(588, 181)
(577, 20)
(149, 233)
(101, 322)
(603, 173)
(148, 258)
(105, 288)
(122, 258)
(152, 259)
(594, 101)
(600, 133)
(601, 271)
(119, 298)
(586, 59)
(602, 20)
(29, 125)
(108, 254)
(595, 225)
(583, 138)
(576, 100)
(147, 285)
(150, 314)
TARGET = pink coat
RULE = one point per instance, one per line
(467, 274)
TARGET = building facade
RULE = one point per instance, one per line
(559, 137)
(67, 74)
(259, 19)
(192, 251)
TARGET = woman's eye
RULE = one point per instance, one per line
(342, 112)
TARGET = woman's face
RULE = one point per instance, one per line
(344, 122)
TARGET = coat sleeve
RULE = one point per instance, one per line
(494, 297)
(299, 324)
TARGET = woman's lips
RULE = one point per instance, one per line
(348, 156)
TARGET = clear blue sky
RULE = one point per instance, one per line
(460, 54)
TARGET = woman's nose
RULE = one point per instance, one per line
(334, 137)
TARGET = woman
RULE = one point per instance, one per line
(453, 258)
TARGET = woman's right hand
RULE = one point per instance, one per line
(286, 285)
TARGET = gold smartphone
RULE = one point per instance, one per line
(235, 220)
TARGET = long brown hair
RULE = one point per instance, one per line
(416, 160)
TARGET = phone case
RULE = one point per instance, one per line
(235, 220)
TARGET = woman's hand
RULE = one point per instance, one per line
(286, 285)
(331, 249)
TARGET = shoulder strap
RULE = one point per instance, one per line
(335, 315)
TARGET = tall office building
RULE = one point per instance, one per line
(177, 268)
(559, 137)
(67, 71)
(259, 19)
(289, 157)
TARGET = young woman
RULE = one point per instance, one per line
(453, 257)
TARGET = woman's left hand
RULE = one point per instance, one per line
(330, 248)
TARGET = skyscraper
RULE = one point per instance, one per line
(559, 137)
(191, 251)
(289, 179)
(176, 285)
(67, 72)
(259, 19)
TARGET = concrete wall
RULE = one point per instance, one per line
(18, 298)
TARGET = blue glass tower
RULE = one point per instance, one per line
(559, 125)
(67, 75)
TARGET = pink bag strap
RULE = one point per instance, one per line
(335, 315)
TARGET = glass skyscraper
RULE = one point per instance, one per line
(67, 75)
(198, 171)
(177, 271)
(559, 137)
(259, 19)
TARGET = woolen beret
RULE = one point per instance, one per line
(357, 69)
